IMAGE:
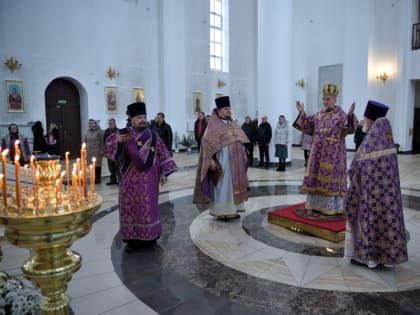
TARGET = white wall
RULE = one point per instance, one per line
(275, 81)
(174, 64)
(241, 79)
(80, 40)
(390, 45)
(325, 33)
(363, 36)
(163, 46)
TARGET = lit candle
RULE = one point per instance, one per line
(32, 165)
(83, 157)
(72, 177)
(61, 182)
(3, 187)
(74, 184)
(92, 179)
(94, 167)
(78, 170)
(17, 171)
(25, 170)
(37, 191)
(3, 161)
(83, 181)
(83, 150)
(17, 150)
(57, 191)
(67, 168)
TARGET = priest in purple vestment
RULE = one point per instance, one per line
(325, 178)
(145, 163)
(376, 232)
(222, 166)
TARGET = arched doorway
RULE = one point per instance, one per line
(62, 104)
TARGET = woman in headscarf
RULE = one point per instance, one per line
(94, 139)
(8, 142)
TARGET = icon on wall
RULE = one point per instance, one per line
(197, 101)
(14, 95)
(111, 99)
(138, 95)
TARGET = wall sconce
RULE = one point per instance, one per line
(12, 64)
(220, 83)
(112, 73)
(300, 83)
(382, 76)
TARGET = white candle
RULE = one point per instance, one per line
(25, 170)
(67, 168)
(17, 171)
(3, 160)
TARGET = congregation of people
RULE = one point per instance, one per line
(140, 158)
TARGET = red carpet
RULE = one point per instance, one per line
(331, 228)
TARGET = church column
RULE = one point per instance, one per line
(173, 74)
(275, 83)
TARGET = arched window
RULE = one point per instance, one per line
(218, 35)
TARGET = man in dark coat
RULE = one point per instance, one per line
(250, 128)
(164, 130)
(199, 128)
(113, 165)
(264, 135)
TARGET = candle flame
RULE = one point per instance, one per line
(84, 145)
(67, 153)
(63, 173)
(94, 159)
(32, 158)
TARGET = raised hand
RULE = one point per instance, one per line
(352, 107)
(300, 107)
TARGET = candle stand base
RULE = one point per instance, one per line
(49, 238)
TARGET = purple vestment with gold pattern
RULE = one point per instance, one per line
(326, 173)
(373, 206)
(218, 135)
(144, 158)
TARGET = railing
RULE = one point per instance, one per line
(416, 36)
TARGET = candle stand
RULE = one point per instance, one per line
(48, 221)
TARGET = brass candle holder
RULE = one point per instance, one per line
(48, 222)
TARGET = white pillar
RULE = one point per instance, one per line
(275, 83)
(173, 60)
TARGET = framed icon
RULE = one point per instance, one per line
(197, 101)
(111, 99)
(138, 95)
(14, 95)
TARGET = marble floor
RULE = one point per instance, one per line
(204, 266)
